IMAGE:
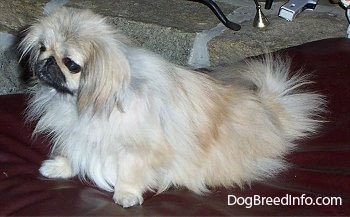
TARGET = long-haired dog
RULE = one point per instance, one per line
(130, 121)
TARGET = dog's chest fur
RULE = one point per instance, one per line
(92, 144)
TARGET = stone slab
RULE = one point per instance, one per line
(186, 16)
(16, 14)
(249, 41)
(10, 72)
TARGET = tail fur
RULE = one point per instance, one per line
(287, 111)
(299, 110)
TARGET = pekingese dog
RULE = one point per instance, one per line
(129, 121)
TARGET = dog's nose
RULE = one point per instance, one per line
(50, 61)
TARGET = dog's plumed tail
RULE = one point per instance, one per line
(269, 110)
(298, 109)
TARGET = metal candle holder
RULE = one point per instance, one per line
(260, 20)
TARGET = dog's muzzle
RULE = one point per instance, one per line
(50, 74)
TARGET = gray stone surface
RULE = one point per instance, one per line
(186, 16)
(183, 32)
(9, 69)
(16, 14)
(250, 41)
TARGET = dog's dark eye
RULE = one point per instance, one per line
(71, 65)
(42, 48)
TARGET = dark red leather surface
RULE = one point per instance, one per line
(321, 166)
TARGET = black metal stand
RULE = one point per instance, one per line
(219, 14)
(268, 4)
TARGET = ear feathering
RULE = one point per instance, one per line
(104, 78)
(27, 46)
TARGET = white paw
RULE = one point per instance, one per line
(127, 199)
(59, 167)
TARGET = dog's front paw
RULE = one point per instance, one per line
(127, 199)
(59, 167)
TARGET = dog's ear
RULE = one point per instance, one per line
(25, 56)
(104, 79)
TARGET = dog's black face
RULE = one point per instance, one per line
(48, 72)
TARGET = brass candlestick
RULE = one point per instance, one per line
(260, 20)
